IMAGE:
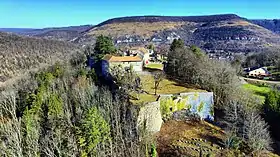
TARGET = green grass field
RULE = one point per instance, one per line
(155, 66)
(165, 87)
(259, 91)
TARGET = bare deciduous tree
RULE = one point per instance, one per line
(257, 133)
(246, 125)
(194, 68)
(10, 126)
(158, 77)
(52, 113)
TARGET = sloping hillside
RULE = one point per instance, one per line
(59, 33)
(20, 54)
(217, 32)
(273, 25)
(193, 138)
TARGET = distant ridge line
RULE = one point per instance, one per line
(153, 18)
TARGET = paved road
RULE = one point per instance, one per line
(264, 81)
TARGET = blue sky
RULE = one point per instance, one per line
(56, 13)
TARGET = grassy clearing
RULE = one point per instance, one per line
(259, 91)
(155, 66)
(165, 87)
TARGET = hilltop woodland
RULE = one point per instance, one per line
(19, 54)
(67, 110)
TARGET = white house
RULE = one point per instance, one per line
(258, 72)
(142, 53)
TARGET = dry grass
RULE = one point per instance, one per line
(135, 28)
(188, 130)
(176, 133)
(185, 138)
(241, 23)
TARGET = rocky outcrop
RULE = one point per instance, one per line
(229, 33)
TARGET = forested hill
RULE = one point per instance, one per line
(209, 18)
(273, 25)
(58, 33)
(216, 33)
(20, 54)
(228, 33)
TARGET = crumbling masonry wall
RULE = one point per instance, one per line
(201, 103)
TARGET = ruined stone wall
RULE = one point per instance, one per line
(201, 103)
(204, 100)
(151, 114)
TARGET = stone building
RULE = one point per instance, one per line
(125, 61)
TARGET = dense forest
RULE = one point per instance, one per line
(63, 112)
(273, 25)
(20, 54)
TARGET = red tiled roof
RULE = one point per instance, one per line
(111, 58)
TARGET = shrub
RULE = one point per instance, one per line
(200, 107)
(232, 141)
(181, 104)
(153, 151)
(55, 106)
(164, 107)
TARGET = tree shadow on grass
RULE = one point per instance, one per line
(152, 70)
(185, 85)
(260, 93)
(182, 83)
